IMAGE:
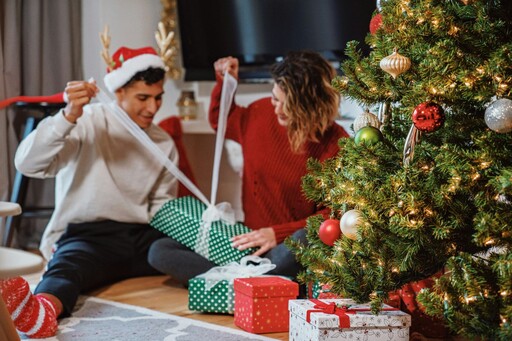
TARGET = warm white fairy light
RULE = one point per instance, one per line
(453, 30)
(485, 164)
(489, 241)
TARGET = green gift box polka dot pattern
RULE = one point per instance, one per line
(180, 219)
(219, 299)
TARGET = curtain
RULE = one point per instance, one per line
(40, 50)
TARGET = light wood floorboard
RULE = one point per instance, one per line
(162, 294)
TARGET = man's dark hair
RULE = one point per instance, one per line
(149, 76)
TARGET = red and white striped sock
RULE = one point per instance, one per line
(33, 315)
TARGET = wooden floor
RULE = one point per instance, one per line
(162, 294)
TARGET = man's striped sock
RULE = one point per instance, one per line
(33, 315)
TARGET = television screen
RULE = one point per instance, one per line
(261, 32)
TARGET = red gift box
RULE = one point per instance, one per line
(261, 303)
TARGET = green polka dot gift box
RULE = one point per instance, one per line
(181, 219)
(218, 299)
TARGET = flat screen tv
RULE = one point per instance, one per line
(261, 32)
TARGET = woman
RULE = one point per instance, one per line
(278, 135)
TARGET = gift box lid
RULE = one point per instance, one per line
(266, 286)
(347, 314)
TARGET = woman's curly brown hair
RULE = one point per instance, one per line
(311, 102)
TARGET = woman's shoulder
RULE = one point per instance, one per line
(261, 103)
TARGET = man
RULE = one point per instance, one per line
(107, 189)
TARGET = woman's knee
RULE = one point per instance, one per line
(160, 250)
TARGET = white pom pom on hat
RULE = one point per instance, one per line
(127, 62)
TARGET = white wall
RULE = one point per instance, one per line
(132, 23)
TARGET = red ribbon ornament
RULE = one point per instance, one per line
(341, 312)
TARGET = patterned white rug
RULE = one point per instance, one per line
(97, 319)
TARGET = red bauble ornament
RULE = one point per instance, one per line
(375, 23)
(428, 117)
(329, 231)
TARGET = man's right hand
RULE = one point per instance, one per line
(78, 94)
(226, 64)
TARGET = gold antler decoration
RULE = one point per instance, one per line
(167, 42)
(105, 41)
(168, 51)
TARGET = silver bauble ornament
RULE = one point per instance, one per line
(366, 119)
(379, 4)
(349, 223)
(498, 115)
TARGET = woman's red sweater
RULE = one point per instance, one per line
(271, 182)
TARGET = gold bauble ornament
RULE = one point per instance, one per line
(366, 119)
(395, 64)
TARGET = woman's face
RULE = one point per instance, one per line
(278, 98)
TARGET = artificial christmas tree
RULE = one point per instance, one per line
(434, 195)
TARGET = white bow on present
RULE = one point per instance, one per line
(249, 266)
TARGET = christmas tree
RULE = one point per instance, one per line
(429, 193)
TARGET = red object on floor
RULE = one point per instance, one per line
(261, 303)
(172, 126)
(33, 315)
(422, 323)
(56, 98)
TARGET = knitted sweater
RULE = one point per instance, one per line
(101, 171)
(272, 175)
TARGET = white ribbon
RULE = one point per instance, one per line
(144, 139)
(222, 211)
(234, 270)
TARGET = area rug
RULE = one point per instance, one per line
(97, 319)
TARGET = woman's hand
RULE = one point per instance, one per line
(78, 94)
(264, 238)
(226, 64)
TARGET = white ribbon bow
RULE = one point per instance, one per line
(233, 270)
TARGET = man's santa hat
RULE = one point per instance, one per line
(127, 62)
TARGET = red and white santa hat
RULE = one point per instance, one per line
(127, 62)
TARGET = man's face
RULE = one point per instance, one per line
(141, 101)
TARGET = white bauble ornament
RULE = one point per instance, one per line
(366, 119)
(349, 223)
(498, 115)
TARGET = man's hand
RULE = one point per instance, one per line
(78, 94)
(264, 238)
(226, 64)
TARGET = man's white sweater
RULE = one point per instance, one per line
(102, 172)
